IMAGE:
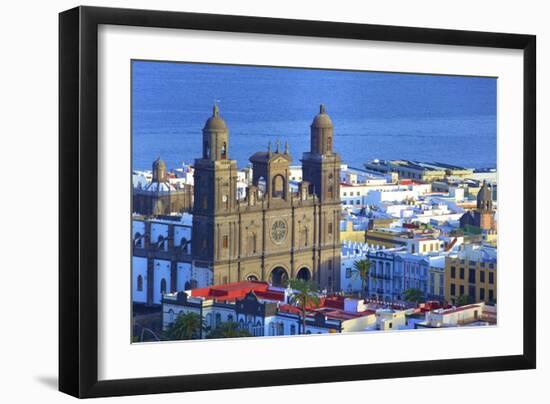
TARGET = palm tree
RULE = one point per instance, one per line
(186, 326)
(413, 295)
(304, 296)
(228, 330)
(361, 269)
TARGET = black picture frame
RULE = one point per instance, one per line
(78, 200)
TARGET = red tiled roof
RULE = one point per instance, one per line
(238, 290)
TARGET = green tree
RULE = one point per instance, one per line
(463, 300)
(413, 295)
(186, 326)
(304, 296)
(361, 268)
(228, 330)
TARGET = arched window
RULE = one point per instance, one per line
(160, 242)
(162, 286)
(241, 324)
(170, 316)
(258, 332)
(138, 240)
(183, 244)
(140, 283)
(224, 151)
(206, 150)
(278, 187)
(230, 318)
(218, 320)
(292, 329)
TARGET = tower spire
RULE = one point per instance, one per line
(215, 110)
(322, 109)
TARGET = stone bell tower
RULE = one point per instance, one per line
(321, 169)
(215, 188)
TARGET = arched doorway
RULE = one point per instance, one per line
(303, 274)
(278, 277)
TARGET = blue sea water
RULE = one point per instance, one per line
(449, 119)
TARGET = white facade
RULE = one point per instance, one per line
(159, 235)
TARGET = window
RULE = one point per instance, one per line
(140, 283)
(330, 229)
(230, 318)
(471, 293)
(461, 290)
(345, 194)
(224, 151)
(453, 289)
(491, 295)
(218, 320)
(471, 275)
(482, 276)
(453, 272)
(163, 286)
(491, 278)
(225, 242)
(358, 202)
(348, 273)
(481, 294)
(461, 273)
(292, 329)
(280, 329)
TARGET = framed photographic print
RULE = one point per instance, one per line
(304, 201)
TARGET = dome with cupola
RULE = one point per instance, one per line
(322, 120)
(215, 122)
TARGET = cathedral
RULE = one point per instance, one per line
(272, 234)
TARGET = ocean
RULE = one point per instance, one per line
(449, 119)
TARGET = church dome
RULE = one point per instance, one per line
(215, 122)
(322, 120)
(484, 193)
(158, 163)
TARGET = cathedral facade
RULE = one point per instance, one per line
(272, 234)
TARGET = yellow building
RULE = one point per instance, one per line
(348, 234)
(472, 273)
